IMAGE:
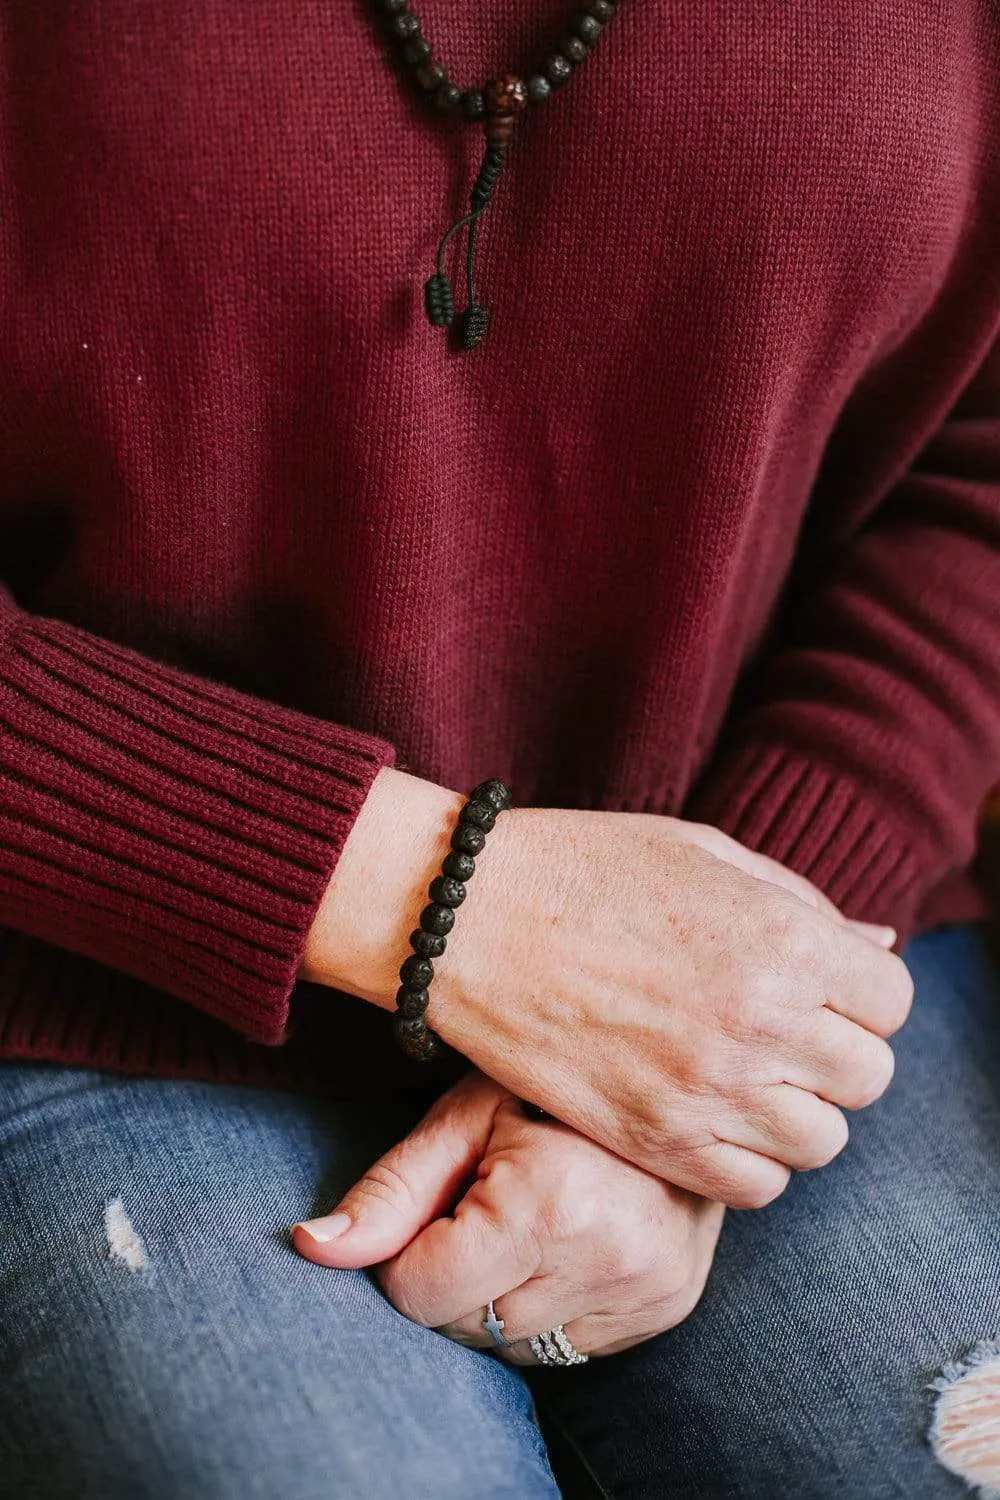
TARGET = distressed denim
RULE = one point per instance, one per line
(203, 1358)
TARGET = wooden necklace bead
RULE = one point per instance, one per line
(430, 76)
(538, 88)
(405, 25)
(505, 95)
(601, 10)
(473, 104)
(587, 27)
(574, 49)
(448, 97)
(417, 52)
(558, 70)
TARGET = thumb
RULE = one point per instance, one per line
(414, 1183)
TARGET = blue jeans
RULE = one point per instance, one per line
(205, 1360)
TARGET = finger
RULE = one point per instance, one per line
(460, 1263)
(793, 1126)
(730, 1174)
(537, 1304)
(409, 1186)
(876, 990)
(885, 937)
(840, 1061)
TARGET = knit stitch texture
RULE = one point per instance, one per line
(708, 526)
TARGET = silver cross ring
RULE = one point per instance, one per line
(494, 1327)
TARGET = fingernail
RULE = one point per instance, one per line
(323, 1230)
(879, 934)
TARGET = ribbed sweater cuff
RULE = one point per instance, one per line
(168, 825)
(818, 822)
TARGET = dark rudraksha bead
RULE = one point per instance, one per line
(539, 88)
(439, 919)
(393, 7)
(601, 10)
(467, 839)
(416, 971)
(413, 1038)
(431, 76)
(574, 49)
(459, 866)
(411, 1001)
(427, 944)
(479, 814)
(447, 891)
(406, 25)
(494, 791)
(557, 70)
(417, 52)
(587, 27)
(473, 104)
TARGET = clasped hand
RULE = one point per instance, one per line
(552, 1227)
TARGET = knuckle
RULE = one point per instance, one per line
(623, 1261)
(870, 1073)
(801, 942)
(831, 1140)
(692, 1069)
(384, 1184)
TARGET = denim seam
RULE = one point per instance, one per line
(553, 1417)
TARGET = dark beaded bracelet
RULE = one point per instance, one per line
(429, 940)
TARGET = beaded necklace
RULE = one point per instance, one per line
(497, 104)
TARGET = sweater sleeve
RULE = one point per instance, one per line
(870, 734)
(165, 824)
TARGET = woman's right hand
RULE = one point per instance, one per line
(627, 973)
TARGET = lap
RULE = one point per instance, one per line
(209, 1359)
(804, 1371)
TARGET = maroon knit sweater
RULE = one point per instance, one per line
(709, 526)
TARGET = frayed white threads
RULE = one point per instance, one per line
(965, 1431)
(124, 1244)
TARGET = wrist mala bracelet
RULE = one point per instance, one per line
(429, 940)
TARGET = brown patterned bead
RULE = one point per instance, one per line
(505, 95)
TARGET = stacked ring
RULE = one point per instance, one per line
(555, 1348)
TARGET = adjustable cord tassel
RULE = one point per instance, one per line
(504, 97)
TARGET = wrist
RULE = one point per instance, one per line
(359, 935)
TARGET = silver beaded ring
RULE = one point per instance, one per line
(554, 1348)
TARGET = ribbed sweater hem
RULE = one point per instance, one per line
(819, 823)
(167, 825)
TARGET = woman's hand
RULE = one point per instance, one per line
(692, 1006)
(553, 1228)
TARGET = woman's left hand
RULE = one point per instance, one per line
(481, 1202)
